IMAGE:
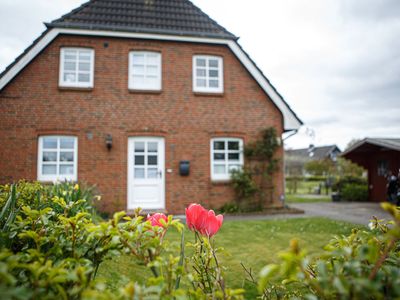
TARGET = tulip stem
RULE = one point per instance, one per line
(178, 280)
(152, 268)
(204, 266)
(220, 280)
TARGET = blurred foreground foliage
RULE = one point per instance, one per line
(51, 247)
(363, 265)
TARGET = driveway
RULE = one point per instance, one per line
(353, 212)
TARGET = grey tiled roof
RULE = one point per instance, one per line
(388, 143)
(177, 17)
(317, 152)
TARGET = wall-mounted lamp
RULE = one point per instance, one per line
(109, 141)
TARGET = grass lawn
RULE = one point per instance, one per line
(253, 243)
(290, 198)
(303, 187)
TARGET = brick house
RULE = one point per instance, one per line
(152, 101)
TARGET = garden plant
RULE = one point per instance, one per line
(52, 244)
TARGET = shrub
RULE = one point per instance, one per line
(229, 208)
(363, 265)
(338, 186)
(253, 184)
(50, 248)
(354, 192)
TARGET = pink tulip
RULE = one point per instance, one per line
(213, 223)
(203, 221)
(155, 219)
(195, 216)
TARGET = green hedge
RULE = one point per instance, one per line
(354, 192)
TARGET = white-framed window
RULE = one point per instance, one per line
(144, 70)
(57, 158)
(208, 74)
(76, 67)
(226, 155)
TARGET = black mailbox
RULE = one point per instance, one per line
(184, 167)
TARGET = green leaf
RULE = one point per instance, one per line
(266, 274)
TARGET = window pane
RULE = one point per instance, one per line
(152, 58)
(138, 69)
(84, 55)
(49, 156)
(219, 145)
(139, 146)
(200, 62)
(69, 66)
(213, 73)
(219, 156)
(138, 80)
(66, 156)
(213, 63)
(50, 143)
(70, 54)
(69, 77)
(49, 170)
(152, 146)
(139, 160)
(201, 72)
(233, 145)
(151, 82)
(219, 169)
(152, 70)
(139, 173)
(67, 143)
(152, 173)
(214, 83)
(233, 156)
(234, 167)
(152, 160)
(84, 66)
(83, 77)
(201, 82)
(138, 59)
(66, 169)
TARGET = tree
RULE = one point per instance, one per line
(321, 167)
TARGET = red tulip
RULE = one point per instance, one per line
(155, 219)
(203, 221)
(195, 216)
(213, 223)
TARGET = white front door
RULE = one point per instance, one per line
(146, 173)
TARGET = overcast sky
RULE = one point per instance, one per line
(336, 62)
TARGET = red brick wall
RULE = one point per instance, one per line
(33, 104)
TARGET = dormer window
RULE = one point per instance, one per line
(208, 74)
(76, 67)
(145, 70)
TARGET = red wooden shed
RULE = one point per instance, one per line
(378, 156)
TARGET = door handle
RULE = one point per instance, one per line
(159, 173)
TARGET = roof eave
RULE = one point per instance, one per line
(82, 26)
(368, 141)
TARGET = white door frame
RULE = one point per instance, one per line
(161, 175)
